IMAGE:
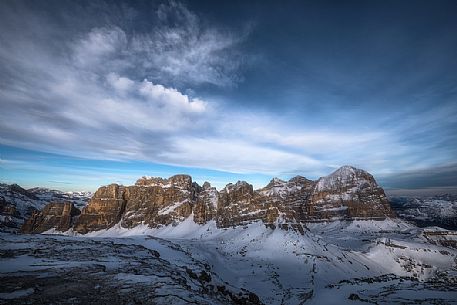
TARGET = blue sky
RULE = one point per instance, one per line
(94, 92)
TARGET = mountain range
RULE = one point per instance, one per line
(17, 204)
(335, 240)
(346, 194)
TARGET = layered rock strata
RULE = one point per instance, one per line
(55, 215)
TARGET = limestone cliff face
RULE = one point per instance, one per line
(346, 194)
(289, 197)
(205, 207)
(155, 205)
(104, 210)
(54, 215)
(238, 204)
(151, 201)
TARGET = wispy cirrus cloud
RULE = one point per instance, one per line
(177, 49)
(180, 46)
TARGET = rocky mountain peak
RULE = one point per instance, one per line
(112, 191)
(344, 177)
(181, 181)
(151, 181)
(299, 180)
(351, 192)
(55, 215)
(15, 188)
(275, 182)
(206, 185)
(239, 186)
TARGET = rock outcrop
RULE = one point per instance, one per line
(104, 210)
(151, 201)
(289, 198)
(346, 194)
(55, 215)
(205, 207)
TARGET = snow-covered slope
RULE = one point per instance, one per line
(38, 269)
(381, 262)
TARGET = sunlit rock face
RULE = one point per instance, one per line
(151, 201)
(154, 205)
(348, 193)
(17, 204)
(54, 215)
(104, 210)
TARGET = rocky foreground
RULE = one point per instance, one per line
(339, 262)
(62, 270)
(346, 194)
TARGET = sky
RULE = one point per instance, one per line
(94, 92)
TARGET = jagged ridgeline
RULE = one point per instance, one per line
(346, 194)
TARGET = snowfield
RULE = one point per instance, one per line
(379, 262)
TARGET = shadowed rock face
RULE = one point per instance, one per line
(7, 209)
(54, 215)
(348, 193)
(205, 207)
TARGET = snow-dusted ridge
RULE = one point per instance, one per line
(379, 261)
(341, 177)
